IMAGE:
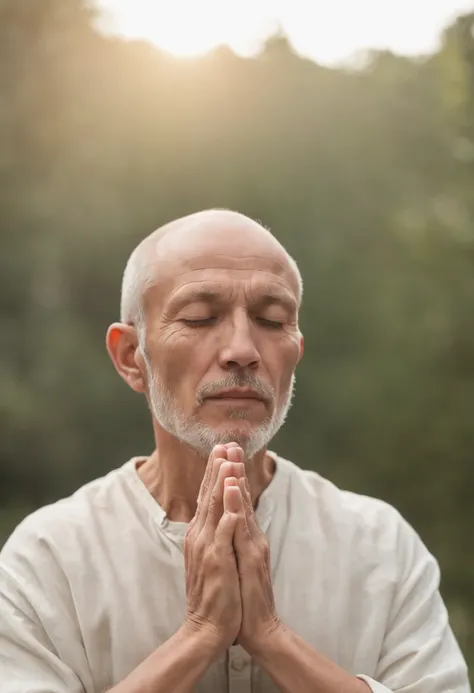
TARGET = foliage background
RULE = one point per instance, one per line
(367, 177)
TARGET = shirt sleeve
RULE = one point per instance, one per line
(374, 686)
(419, 652)
(28, 660)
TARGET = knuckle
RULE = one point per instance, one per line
(199, 545)
(194, 546)
(210, 560)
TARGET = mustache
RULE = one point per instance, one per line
(236, 380)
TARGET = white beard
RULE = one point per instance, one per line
(204, 438)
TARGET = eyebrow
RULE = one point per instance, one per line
(213, 297)
(201, 295)
(279, 299)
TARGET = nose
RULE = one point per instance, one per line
(239, 349)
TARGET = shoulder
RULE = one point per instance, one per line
(369, 525)
(311, 487)
(50, 535)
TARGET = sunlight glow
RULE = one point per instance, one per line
(189, 28)
(329, 32)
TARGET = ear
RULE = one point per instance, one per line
(124, 350)
(301, 348)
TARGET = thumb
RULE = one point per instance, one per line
(232, 495)
(232, 500)
(224, 533)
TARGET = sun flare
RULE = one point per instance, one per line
(329, 32)
(187, 28)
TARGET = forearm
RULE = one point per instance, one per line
(296, 667)
(175, 667)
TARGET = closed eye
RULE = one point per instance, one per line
(201, 322)
(272, 324)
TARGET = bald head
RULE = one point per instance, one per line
(210, 233)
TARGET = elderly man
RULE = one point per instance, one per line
(214, 565)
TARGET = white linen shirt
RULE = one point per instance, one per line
(92, 584)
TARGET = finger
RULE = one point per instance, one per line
(212, 470)
(215, 507)
(232, 496)
(246, 492)
(235, 454)
(244, 488)
(218, 452)
(248, 506)
(224, 534)
(239, 467)
(247, 487)
(204, 501)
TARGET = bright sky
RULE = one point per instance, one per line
(329, 31)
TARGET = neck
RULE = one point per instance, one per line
(173, 474)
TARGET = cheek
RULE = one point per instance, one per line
(286, 362)
(285, 380)
(181, 359)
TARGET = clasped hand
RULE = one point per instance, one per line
(227, 559)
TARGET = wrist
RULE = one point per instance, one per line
(176, 665)
(265, 640)
(204, 638)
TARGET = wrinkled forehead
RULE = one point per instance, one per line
(242, 251)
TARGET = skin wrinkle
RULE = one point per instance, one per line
(173, 363)
(197, 264)
(278, 297)
(211, 299)
(193, 262)
(198, 282)
(168, 240)
(176, 365)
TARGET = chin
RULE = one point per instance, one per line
(234, 430)
(243, 433)
(204, 436)
(238, 421)
(249, 443)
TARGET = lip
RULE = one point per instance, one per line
(237, 394)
